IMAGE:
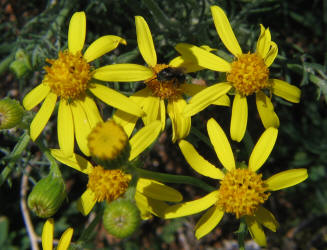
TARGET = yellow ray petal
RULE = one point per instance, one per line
(208, 222)
(144, 138)
(239, 118)
(74, 161)
(162, 113)
(35, 96)
(127, 121)
(151, 106)
(102, 46)
(221, 145)
(157, 190)
(86, 202)
(202, 57)
(77, 32)
(91, 111)
(47, 234)
(191, 207)
(266, 218)
(192, 89)
(65, 239)
(272, 53)
(256, 231)
(181, 124)
(42, 116)
(145, 42)
(115, 99)
(148, 206)
(263, 44)
(263, 148)
(222, 101)
(198, 163)
(123, 73)
(285, 90)
(286, 179)
(187, 66)
(266, 111)
(65, 128)
(206, 97)
(82, 126)
(225, 31)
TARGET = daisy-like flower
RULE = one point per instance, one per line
(110, 184)
(159, 90)
(248, 74)
(242, 191)
(69, 77)
(47, 236)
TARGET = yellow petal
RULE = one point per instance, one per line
(206, 97)
(65, 239)
(157, 190)
(86, 202)
(191, 207)
(115, 99)
(266, 111)
(43, 116)
(266, 218)
(225, 31)
(35, 96)
(263, 148)
(148, 206)
(102, 46)
(91, 111)
(256, 231)
(65, 128)
(123, 73)
(144, 138)
(145, 42)
(198, 163)
(187, 66)
(239, 118)
(162, 114)
(221, 145)
(82, 126)
(191, 89)
(127, 121)
(222, 101)
(181, 124)
(47, 234)
(77, 32)
(285, 90)
(202, 57)
(74, 161)
(272, 53)
(263, 44)
(208, 222)
(151, 106)
(286, 179)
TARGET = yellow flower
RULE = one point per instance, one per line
(111, 184)
(152, 98)
(247, 75)
(242, 191)
(70, 78)
(47, 236)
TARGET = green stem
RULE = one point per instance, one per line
(14, 155)
(171, 178)
(241, 233)
(248, 142)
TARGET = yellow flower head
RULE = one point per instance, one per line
(248, 74)
(69, 77)
(242, 191)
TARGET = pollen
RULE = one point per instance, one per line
(68, 76)
(108, 185)
(164, 89)
(241, 192)
(249, 74)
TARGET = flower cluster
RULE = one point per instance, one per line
(112, 148)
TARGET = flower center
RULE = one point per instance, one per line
(108, 185)
(164, 88)
(68, 76)
(249, 74)
(241, 192)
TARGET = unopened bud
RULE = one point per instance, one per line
(21, 66)
(11, 113)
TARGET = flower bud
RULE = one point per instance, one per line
(121, 218)
(11, 113)
(21, 66)
(47, 196)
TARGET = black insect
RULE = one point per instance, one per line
(171, 74)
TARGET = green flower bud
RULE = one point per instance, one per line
(11, 113)
(121, 218)
(47, 196)
(21, 66)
